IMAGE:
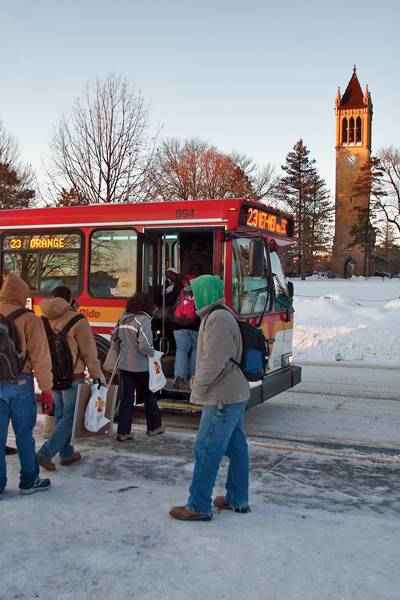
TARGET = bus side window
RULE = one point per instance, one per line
(113, 260)
(283, 299)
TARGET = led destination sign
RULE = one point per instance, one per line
(46, 241)
(266, 220)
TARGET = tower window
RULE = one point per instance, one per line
(358, 129)
(351, 131)
(344, 131)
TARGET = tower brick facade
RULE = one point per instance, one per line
(353, 113)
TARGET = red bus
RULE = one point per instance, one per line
(106, 252)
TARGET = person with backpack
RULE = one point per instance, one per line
(134, 335)
(24, 353)
(186, 329)
(222, 388)
(73, 349)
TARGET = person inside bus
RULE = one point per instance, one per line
(197, 255)
(101, 284)
(186, 329)
(135, 337)
(173, 287)
(195, 271)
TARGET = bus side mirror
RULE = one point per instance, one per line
(290, 288)
(256, 258)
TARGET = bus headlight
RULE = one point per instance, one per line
(286, 359)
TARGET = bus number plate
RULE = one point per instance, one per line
(185, 213)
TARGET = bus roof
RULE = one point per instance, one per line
(229, 213)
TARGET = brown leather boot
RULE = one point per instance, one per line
(183, 513)
(222, 503)
(69, 461)
(46, 464)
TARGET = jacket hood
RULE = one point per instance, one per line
(207, 289)
(54, 308)
(14, 290)
(127, 317)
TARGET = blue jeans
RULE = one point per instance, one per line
(60, 439)
(17, 402)
(220, 433)
(186, 341)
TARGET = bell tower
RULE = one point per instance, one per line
(353, 113)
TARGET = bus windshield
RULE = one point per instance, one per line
(250, 290)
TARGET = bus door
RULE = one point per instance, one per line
(188, 251)
(283, 311)
(148, 265)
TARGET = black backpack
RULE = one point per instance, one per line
(255, 349)
(11, 358)
(61, 357)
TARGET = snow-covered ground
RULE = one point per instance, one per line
(324, 523)
(356, 320)
(322, 527)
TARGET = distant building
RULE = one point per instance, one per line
(353, 113)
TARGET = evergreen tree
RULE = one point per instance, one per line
(305, 194)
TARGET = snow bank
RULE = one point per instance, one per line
(356, 320)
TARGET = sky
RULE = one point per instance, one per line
(252, 76)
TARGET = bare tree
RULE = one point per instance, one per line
(193, 169)
(264, 183)
(388, 167)
(102, 150)
(17, 180)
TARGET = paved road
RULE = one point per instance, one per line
(350, 406)
(335, 404)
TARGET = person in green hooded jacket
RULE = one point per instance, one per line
(221, 387)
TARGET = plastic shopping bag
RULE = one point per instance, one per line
(94, 414)
(157, 378)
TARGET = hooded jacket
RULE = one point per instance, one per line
(32, 336)
(217, 379)
(80, 337)
(136, 341)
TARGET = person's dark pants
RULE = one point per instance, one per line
(131, 381)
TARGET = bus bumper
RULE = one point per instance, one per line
(274, 383)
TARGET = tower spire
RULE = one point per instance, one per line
(354, 68)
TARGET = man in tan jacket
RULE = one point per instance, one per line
(82, 345)
(17, 398)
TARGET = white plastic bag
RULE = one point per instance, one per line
(157, 378)
(94, 414)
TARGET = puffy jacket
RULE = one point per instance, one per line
(80, 337)
(136, 341)
(217, 378)
(32, 337)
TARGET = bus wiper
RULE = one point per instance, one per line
(260, 290)
(282, 288)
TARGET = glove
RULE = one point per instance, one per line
(47, 403)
